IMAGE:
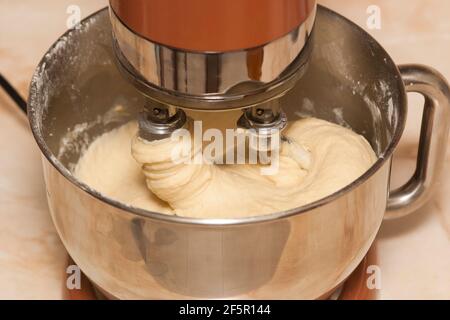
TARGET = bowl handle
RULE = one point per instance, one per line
(433, 140)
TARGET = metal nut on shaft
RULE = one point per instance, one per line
(264, 123)
(159, 121)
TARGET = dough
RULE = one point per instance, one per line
(338, 156)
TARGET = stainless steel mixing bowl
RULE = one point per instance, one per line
(77, 94)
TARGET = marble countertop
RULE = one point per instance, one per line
(413, 252)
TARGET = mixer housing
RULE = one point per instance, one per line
(212, 55)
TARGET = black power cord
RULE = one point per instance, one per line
(13, 94)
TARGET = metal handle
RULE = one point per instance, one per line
(433, 140)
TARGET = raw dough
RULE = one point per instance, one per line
(338, 157)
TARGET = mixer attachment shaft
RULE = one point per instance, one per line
(159, 121)
(264, 124)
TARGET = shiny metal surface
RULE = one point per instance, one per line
(302, 253)
(212, 25)
(159, 121)
(433, 139)
(223, 80)
(264, 125)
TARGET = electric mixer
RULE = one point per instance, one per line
(305, 252)
(212, 55)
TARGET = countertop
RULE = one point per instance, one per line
(413, 252)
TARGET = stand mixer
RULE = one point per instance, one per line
(259, 56)
(212, 55)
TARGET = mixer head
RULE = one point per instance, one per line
(212, 55)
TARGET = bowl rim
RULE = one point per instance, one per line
(214, 222)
